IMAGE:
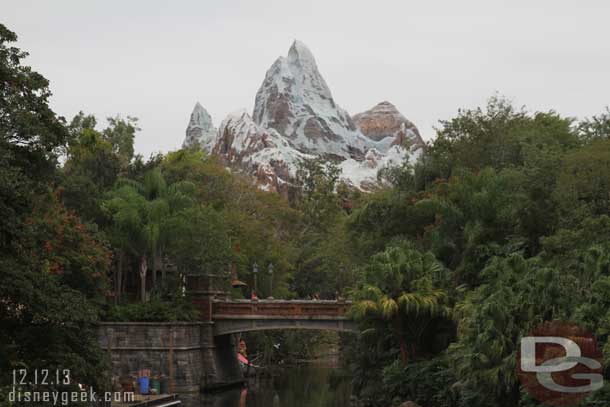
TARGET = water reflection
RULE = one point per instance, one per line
(298, 386)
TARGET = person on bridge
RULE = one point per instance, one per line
(253, 296)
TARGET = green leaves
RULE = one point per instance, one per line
(516, 205)
(402, 288)
(584, 182)
(518, 294)
(199, 241)
(494, 137)
(27, 123)
(316, 182)
(425, 303)
(595, 128)
(154, 311)
(52, 267)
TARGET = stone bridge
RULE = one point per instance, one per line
(228, 316)
(236, 316)
(203, 354)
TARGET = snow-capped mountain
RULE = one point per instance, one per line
(295, 100)
(200, 129)
(295, 117)
(383, 121)
(264, 153)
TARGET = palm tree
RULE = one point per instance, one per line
(127, 208)
(164, 201)
(400, 288)
(143, 219)
(517, 295)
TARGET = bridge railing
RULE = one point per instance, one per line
(280, 308)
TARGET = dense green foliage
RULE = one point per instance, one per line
(154, 310)
(53, 268)
(502, 223)
(514, 207)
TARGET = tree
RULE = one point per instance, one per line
(91, 169)
(28, 127)
(214, 184)
(401, 178)
(260, 226)
(52, 292)
(324, 256)
(595, 128)
(52, 268)
(325, 263)
(476, 217)
(515, 205)
(583, 183)
(126, 209)
(120, 133)
(200, 242)
(142, 217)
(94, 161)
(517, 295)
(30, 135)
(403, 287)
(494, 137)
(316, 180)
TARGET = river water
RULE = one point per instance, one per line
(306, 385)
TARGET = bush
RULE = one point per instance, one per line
(426, 382)
(155, 310)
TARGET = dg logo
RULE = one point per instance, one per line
(559, 364)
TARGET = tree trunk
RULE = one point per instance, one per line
(162, 268)
(143, 269)
(115, 274)
(124, 282)
(154, 271)
(404, 352)
(119, 278)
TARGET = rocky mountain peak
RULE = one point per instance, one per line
(295, 100)
(384, 120)
(200, 129)
(299, 54)
(296, 118)
(305, 71)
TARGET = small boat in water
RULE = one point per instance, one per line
(247, 368)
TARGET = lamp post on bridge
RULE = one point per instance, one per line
(255, 272)
(270, 271)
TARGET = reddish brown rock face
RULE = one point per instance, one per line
(279, 111)
(261, 153)
(295, 117)
(384, 120)
(295, 101)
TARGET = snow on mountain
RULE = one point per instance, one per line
(295, 100)
(200, 129)
(295, 117)
(394, 139)
(384, 120)
(262, 153)
(363, 174)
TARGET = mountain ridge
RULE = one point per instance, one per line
(295, 117)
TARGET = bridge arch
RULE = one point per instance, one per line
(259, 315)
(231, 326)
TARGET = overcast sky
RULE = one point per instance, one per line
(155, 59)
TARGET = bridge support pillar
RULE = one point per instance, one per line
(220, 366)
